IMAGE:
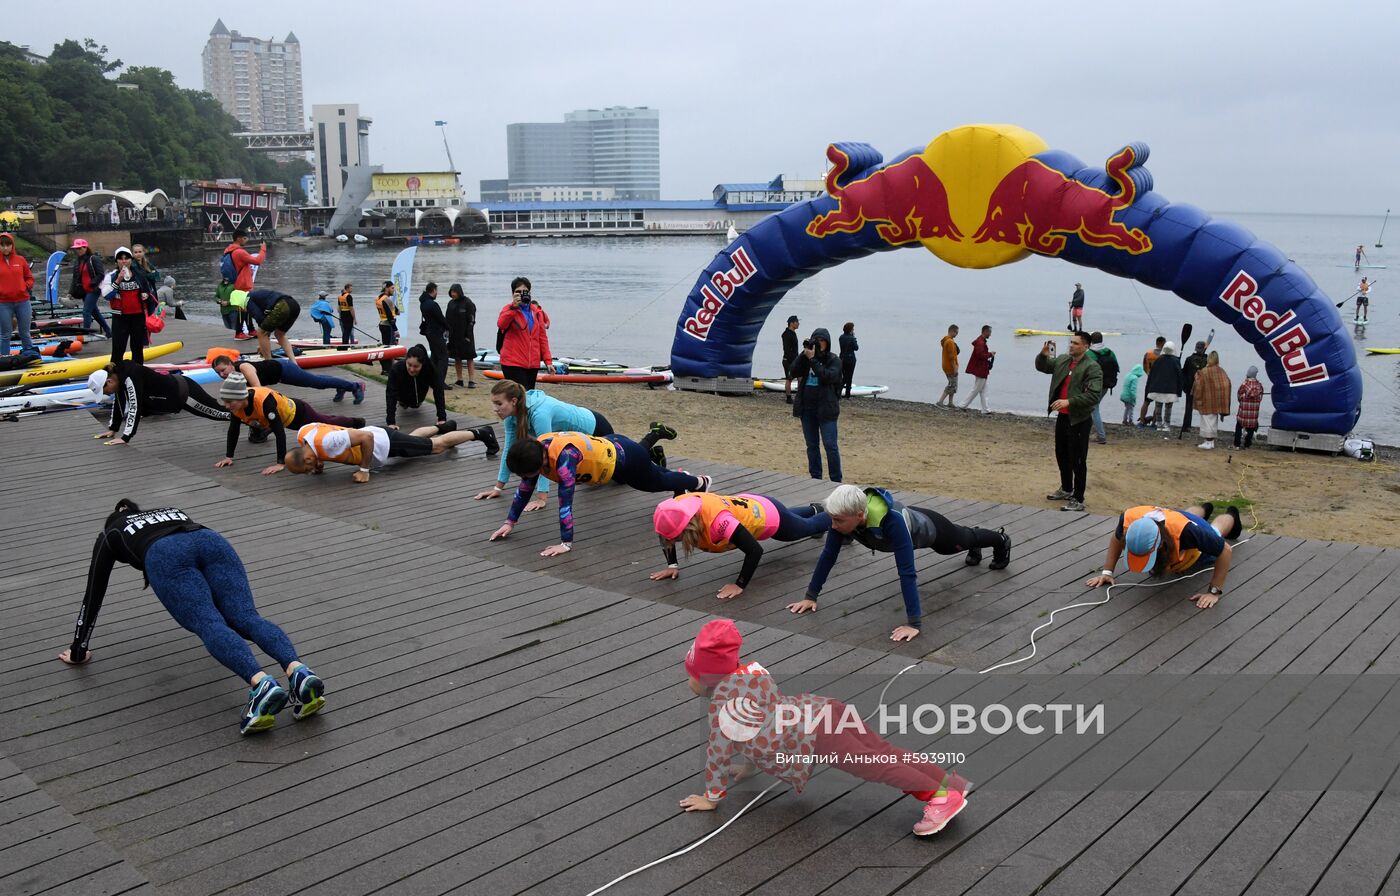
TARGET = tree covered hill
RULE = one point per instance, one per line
(69, 122)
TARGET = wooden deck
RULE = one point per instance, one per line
(503, 723)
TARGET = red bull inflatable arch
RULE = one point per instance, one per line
(986, 195)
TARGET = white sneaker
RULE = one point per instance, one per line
(1206, 446)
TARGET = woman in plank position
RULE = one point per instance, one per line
(572, 458)
(719, 523)
(200, 581)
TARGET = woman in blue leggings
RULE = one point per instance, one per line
(283, 371)
(202, 584)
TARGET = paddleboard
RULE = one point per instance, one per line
(1025, 332)
(1383, 351)
(632, 375)
(1375, 267)
(50, 349)
(1360, 323)
(857, 391)
(309, 360)
(71, 369)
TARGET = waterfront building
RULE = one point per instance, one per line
(257, 81)
(618, 148)
(222, 206)
(340, 138)
(737, 205)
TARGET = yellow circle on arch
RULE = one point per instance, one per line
(971, 161)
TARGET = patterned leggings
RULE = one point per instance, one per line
(202, 584)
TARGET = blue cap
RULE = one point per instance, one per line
(1142, 539)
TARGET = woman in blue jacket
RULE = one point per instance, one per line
(532, 414)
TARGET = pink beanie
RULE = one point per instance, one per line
(674, 514)
(715, 652)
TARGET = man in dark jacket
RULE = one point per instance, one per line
(1189, 368)
(817, 402)
(1076, 385)
(789, 354)
(434, 329)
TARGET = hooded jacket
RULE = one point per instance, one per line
(93, 262)
(16, 277)
(823, 395)
(1165, 376)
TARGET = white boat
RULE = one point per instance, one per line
(342, 238)
(361, 238)
(731, 234)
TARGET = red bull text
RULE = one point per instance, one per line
(723, 282)
(1286, 336)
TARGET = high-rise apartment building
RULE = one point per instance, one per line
(618, 147)
(257, 81)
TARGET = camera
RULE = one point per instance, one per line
(525, 298)
(809, 343)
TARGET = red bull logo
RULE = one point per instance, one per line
(906, 198)
(986, 180)
(1035, 206)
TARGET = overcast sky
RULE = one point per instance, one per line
(1285, 106)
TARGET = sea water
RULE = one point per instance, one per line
(618, 298)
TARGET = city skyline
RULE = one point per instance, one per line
(1284, 110)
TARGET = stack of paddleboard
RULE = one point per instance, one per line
(46, 388)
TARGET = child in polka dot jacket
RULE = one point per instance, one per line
(753, 726)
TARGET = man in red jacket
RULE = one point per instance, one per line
(16, 281)
(979, 367)
(243, 263)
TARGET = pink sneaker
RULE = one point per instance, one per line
(938, 812)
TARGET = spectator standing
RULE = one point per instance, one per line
(16, 285)
(979, 367)
(950, 366)
(1164, 386)
(1193, 365)
(1076, 385)
(523, 335)
(324, 315)
(133, 298)
(789, 354)
(1148, 359)
(166, 297)
(388, 310)
(461, 332)
(818, 402)
(1128, 394)
(849, 347)
(1249, 398)
(87, 284)
(1076, 309)
(1212, 399)
(1108, 363)
(434, 329)
(245, 264)
(345, 305)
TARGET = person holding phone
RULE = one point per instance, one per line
(1076, 385)
(524, 335)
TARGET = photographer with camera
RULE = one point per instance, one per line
(522, 338)
(818, 401)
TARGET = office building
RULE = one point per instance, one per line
(617, 148)
(340, 137)
(257, 81)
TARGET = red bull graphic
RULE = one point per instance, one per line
(985, 195)
(906, 199)
(724, 283)
(1036, 206)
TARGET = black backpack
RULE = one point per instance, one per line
(1108, 362)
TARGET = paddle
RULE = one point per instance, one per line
(1185, 335)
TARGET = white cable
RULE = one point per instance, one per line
(1095, 603)
(879, 703)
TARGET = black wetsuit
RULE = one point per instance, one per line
(142, 391)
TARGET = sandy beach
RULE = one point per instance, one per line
(1010, 458)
